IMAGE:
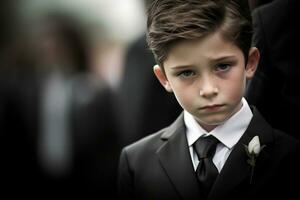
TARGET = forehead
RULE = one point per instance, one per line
(209, 48)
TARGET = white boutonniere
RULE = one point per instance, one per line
(253, 149)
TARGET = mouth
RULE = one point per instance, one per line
(213, 107)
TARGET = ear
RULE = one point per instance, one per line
(160, 75)
(253, 59)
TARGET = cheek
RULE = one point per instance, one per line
(184, 95)
(235, 88)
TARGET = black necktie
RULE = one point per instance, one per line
(206, 171)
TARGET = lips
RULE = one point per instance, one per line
(212, 107)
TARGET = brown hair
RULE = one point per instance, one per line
(171, 21)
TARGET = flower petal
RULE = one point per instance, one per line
(254, 145)
(256, 149)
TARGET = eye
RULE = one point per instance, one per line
(223, 67)
(186, 73)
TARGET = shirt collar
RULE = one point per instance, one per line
(228, 132)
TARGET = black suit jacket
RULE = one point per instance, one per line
(159, 167)
(275, 84)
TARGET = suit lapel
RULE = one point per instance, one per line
(236, 168)
(175, 159)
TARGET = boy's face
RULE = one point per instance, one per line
(208, 77)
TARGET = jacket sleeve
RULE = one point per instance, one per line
(125, 178)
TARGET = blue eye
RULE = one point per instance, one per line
(222, 67)
(186, 73)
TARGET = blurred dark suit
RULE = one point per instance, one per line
(93, 142)
(96, 153)
(18, 138)
(256, 3)
(275, 84)
(143, 104)
(25, 68)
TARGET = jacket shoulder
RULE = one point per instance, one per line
(152, 141)
(286, 141)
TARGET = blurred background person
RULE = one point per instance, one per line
(63, 65)
(143, 106)
(75, 112)
(62, 113)
(275, 83)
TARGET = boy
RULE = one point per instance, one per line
(219, 147)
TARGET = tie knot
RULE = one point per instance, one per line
(206, 146)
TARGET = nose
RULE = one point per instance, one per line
(208, 87)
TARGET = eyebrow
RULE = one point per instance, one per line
(182, 66)
(222, 58)
(212, 60)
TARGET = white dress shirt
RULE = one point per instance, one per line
(55, 139)
(228, 133)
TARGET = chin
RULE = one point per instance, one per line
(214, 121)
